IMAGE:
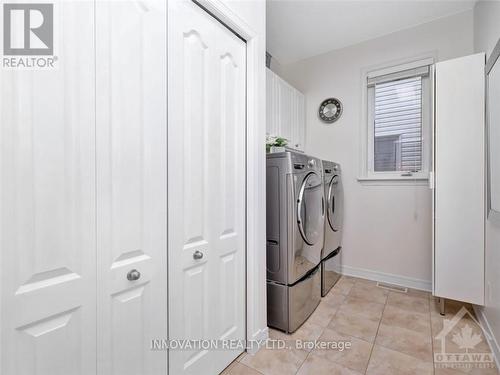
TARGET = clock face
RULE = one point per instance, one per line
(330, 110)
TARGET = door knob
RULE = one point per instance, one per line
(133, 275)
(197, 255)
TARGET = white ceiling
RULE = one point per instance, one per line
(298, 29)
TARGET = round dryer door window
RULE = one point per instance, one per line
(310, 208)
(335, 203)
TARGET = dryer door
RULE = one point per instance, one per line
(335, 205)
(311, 209)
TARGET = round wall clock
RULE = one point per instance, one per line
(330, 110)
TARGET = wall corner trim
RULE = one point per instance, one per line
(488, 333)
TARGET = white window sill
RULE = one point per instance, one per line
(394, 180)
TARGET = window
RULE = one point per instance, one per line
(398, 125)
(399, 122)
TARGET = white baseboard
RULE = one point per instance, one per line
(389, 278)
(490, 337)
(258, 340)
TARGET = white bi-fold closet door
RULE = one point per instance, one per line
(206, 174)
(131, 134)
(84, 196)
(48, 220)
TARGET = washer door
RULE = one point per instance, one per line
(311, 208)
(335, 203)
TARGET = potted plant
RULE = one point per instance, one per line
(275, 144)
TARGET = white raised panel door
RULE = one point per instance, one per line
(47, 205)
(459, 181)
(206, 189)
(131, 186)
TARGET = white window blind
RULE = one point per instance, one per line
(397, 121)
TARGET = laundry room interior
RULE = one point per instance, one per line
(372, 91)
(250, 187)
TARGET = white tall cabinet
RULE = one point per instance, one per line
(285, 111)
(459, 167)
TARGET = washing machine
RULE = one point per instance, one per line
(331, 254)
(295, 237)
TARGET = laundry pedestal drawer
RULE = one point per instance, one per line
(288, 307)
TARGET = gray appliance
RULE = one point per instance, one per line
(295, 235)
(331, 252)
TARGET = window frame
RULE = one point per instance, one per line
(367, 170)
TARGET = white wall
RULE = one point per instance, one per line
(276, 67)
(486, 35)
(486, 26)
(387, 228)
(253, 12)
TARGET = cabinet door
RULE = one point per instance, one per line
(301, 135)
(293, 119)
(206, 143)
(298, 125)
(459, 180)
(47, 201)
(285, 116)
(272, 114)
(285, 111)
(131, 186)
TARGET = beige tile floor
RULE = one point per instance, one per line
(390, 333)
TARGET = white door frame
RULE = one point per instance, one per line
(255, 171)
